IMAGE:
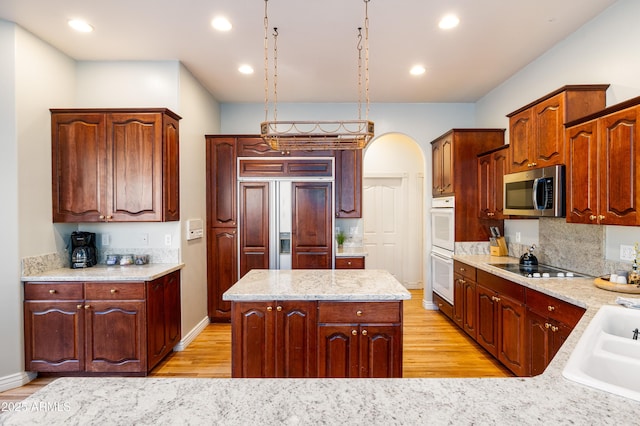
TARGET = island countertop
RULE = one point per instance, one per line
(317, 284)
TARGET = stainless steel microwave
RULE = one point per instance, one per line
(538, 192)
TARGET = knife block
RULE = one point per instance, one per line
(498, 247)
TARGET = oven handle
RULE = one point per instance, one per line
(534, 194)
(446, 259)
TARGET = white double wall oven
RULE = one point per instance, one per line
(443, 242)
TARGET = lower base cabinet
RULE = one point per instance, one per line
(100, 327)
(520, 327)
(316, 339)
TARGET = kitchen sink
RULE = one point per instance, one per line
(607, 356)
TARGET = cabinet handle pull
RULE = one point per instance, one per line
(601, 217)
(101, 217)
(495, 299)
(52, 291)
(114, 291)
(554, 328)
(79, 306)
(364, 332)
(279, 308)
(348, 263)
(592, 217)
(354, 332)
(551, 308)
(359, 313)
(269, 308)
(462, 270)
(87, 306)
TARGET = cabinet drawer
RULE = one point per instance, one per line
(114, 291)
(551, 307)
(359, 312)
(464, 270)
(53, 291)
(349, 262)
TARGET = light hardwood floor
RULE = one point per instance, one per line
(433, 347)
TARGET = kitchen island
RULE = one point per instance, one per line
(317, 323)
(545, 399)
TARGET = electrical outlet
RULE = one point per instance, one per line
(627, 252)
(167, 240)
(106, 239)
(144, 239)
(518, 237)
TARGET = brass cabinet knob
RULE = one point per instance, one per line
(114, 291)
(364, 332)
(592, 217)
(554, 328)
(547, 325)
(354, 332)
(279, 308)
(53, 291)
(79, 306)
(601, 217)
(551, 308)
(359, 313)
(269, 309)
(498, 299)
(87, 306)
(349, 263)
(462, 269)
(101, 217)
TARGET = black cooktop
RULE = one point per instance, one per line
(537, 271)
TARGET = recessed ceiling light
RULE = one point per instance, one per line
(221, 23)
(246, 69)
(417, 70)
(448, 22)
(80, 25)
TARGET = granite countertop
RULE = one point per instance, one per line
(101, 272)
(352, 252)
(317, 284)
(545, 399)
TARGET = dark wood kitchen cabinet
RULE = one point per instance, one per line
(115, 165)
(536, 131)
(351, 262)
(603, 156)
(348, 180)
(222, 270)
(549, 323)
(359, 339)
(455, 172)
(464, 297)
(311, 241)
(274, 339)
(254, 231)
(502, 324)
(492, 166)
(101, 327)
(221, 182)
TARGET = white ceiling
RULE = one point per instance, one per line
(317, 56)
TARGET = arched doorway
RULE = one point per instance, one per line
(393, 207)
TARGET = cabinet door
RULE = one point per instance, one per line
(257, 147)
(311, 240)
(512, 335)
(537, 343)
(79, 167)
(487, 308)
(134, 180)
(222, 270)
(338, 351)
(485, 187)
(253, 339)
(173, 308)
(296, 339)
(157, 344)
(171, 169)
(54, 336)
(499, 168)
(581, 173)
(470, 304)
(458, 299)
(254, 226)
(221, 182)
(442, 158)
(380, 351)
(348, 183)
(521, 131)
(619, 162)
(548, 144)
(115, 336)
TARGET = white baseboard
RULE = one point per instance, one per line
(191, 335)
(16, 380)
(429, 305)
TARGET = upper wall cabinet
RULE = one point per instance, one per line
(603, 159)
(492, 167)
(115, 165)
(536, 131)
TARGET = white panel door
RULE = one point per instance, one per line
(383, 236)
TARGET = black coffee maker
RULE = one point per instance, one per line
(83, 249)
